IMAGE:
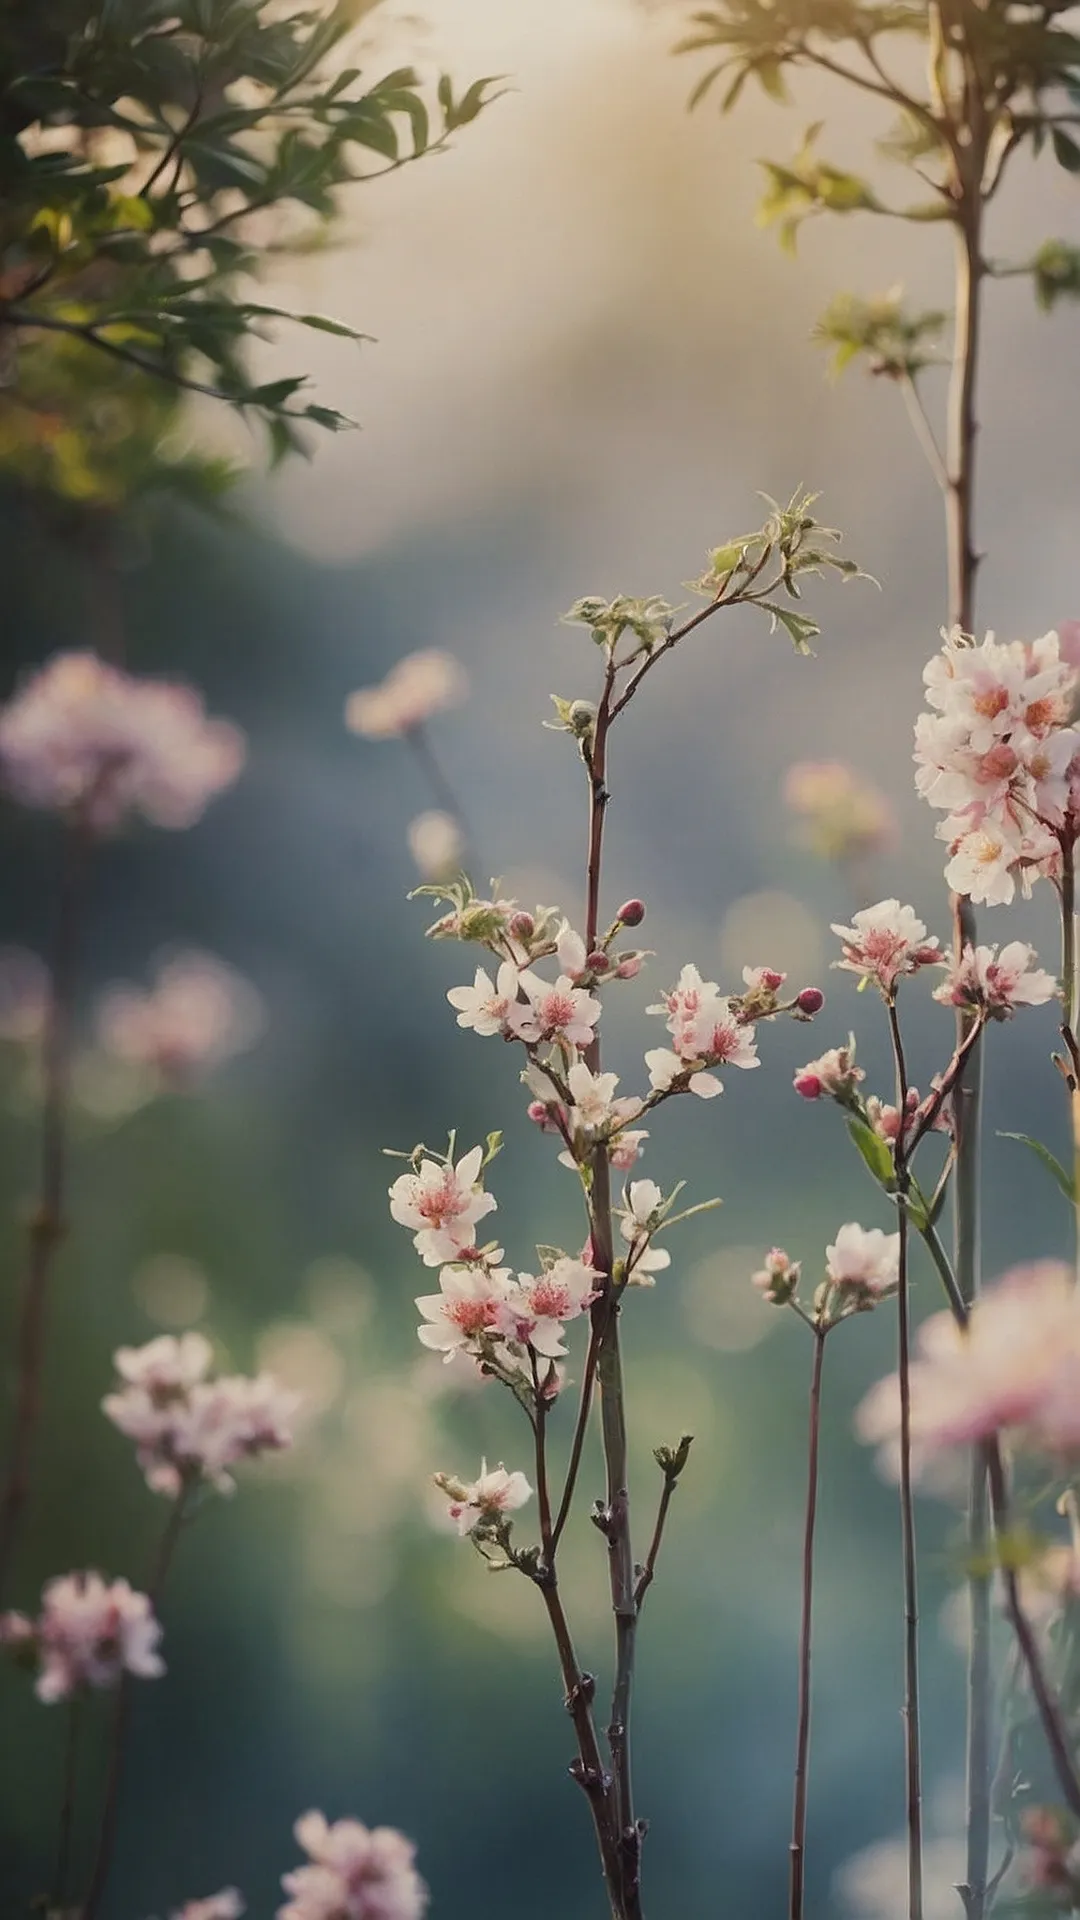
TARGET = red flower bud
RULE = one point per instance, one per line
(631, 913)
(810, 1000)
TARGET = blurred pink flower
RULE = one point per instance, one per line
(198, 1013)
(82, 736)
(843, 814)
(356, 1873)
(189, 1427)
(87, 1635)
(998, 982)
(1015, 1368)
(437, 845)
(485, 1501)
(421, 685)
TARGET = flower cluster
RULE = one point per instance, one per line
(494, 1315)
(884, 943)
(421, 685)
(998, 753)
(191, 1427)
(354, 1873)
(198, 1012)
(707, 1030)
(86, 738)
(595, 1114)
(996, 983)
(1014, 1369)
(834, 1074)
(87, 1635)
(482, 1505)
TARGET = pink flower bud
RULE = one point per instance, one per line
(629, 966)
(522, 926)
(631, 913)
(809, 1085)
(537, 1112)
(810, 1000)
(597, 962)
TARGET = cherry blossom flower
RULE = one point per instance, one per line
(534, 1311)
(487, 1500)
(863, 1263)
(84, 737)
(198, 1013)
(996, 982)
(638, 1221)
(571, 953)
(885, 942)
(437, 844)
(442, 1203)
(556, 1013)
(706, 1030)
(834, 1073)
(885, 1119)
(844, 816)
(87, 1635)
(355, 1873)
(465, 1308)
(486, 1007)
(187, 1427)
(778, 1279)
(997, 753)
(420, 686)
(1015, 1368)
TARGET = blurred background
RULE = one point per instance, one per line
(587, 362)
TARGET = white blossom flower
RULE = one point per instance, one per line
(885, 942)
(87, 1635)
(570, 951)
(83, 736)
(442, 1203)
(421, 685)
(637, 1222)
(864, 1259)
(997, 982)
(561, 1012)
(355, 1873)
(487, 1499)
(465, 1308)
(485, 1007)
(535, 1310)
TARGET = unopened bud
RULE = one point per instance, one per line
(522, 926)
(810, 1000)
(597, 962)
(778, 1279)
(809, 1085)
(631, 913)
(581, 718)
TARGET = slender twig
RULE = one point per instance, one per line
(1049, 1712)
(47, 1225)
(66, 1824)
(648, 1572)
(912, 1741)
(797, 1849)
(581, 1427)
(122, 1714)
(1067, 897)
(539, 1427)
(924, 432)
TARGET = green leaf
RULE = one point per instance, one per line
(1066, 151)
(874, 1151)
(1050, 1162)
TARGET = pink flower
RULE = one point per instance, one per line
(84, 737)
(465, 1309)
(198, 1013)
(187, 1427)
(561, 1012)
(420, 686)
(535, 1309)
(835, 1073)
(442, 1203)
(706, 1031)
(87, 1635)
(1016, 1368)
(864, 1261)
(996, 982)
(484, 1007)
(886, 941)
(355, 1873)
(778, 1279)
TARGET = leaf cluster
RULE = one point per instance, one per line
(152, 153)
